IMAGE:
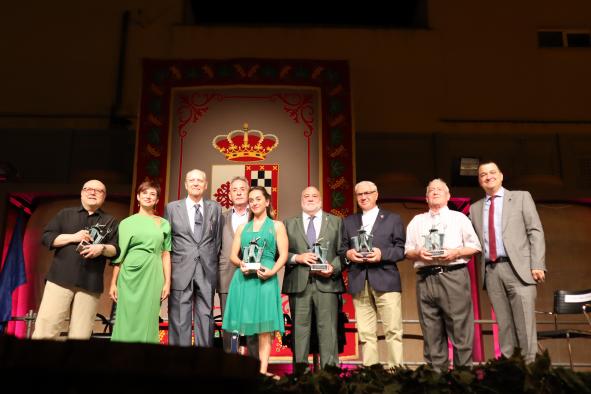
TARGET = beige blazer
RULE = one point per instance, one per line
(226, 268)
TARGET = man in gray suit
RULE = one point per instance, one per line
(513, 261)
(233, 218)
(196, 237)
(317, 290)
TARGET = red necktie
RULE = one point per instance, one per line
(492, 240)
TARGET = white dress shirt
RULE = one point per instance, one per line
(190, 204)
(456, 226)
(317, 222)
(238, 219)
(368, 218)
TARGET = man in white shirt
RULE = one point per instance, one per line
(444, 296)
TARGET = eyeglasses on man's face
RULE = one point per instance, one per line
(361, 194)
(92, 190)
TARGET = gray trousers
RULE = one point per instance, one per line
(194, 302)
(325, 306)
(445, 311)
(514, 304)
(252, 341)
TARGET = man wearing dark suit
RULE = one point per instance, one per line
(233, 218)
(374, 279)
(313, 290)
(196, 237)
(513, 261)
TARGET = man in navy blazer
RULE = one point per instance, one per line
(374, 279)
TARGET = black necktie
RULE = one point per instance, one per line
(198, 230)
(311, 233)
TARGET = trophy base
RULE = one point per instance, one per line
(437, 253)
(364, 253)
(318, 267)
(253, 267)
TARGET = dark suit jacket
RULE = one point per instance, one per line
(523, 235)
(389, 236)
(296, 275)
(186, 250)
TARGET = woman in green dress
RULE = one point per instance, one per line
(254, 299)
(141, 276)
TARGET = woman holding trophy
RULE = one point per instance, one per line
(141, 276)
(254, 299)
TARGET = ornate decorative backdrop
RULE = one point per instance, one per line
(331, 78)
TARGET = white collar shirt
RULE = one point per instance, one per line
(317, 222)
(368, 218)
(456, 227)
(238, 219)
(190, 205)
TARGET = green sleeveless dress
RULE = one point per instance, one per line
(141, 278)
(254, 305)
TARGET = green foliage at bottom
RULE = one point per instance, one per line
(505, 375)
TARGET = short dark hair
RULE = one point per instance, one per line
(485, 162)
(149, 184)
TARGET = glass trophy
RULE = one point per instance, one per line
(362, 243)
(320, 252)
(98, 232)
(434, 242)
(252, 254)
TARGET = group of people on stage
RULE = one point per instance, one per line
(195, 249)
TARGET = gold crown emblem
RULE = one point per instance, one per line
(245, 144)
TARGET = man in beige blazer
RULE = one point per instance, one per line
(232, 218)
(313, 290)
(513, 258)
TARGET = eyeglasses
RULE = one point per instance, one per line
(92, 190)
(365, 193)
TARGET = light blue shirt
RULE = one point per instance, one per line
(498, 224)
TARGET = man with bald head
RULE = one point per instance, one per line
(374, 279)
(444, 296)
(196, 239)
(312, 290)
(75, 279)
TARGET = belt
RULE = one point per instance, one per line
(501, 259)
(439, 269)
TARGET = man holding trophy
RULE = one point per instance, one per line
(313, 277)
(441, 243)
(372, 243)
(83, 238)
